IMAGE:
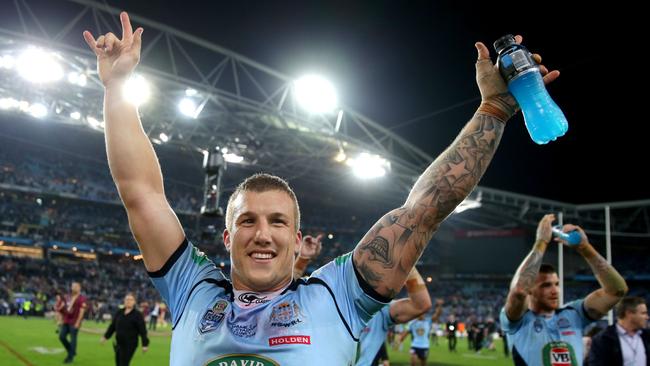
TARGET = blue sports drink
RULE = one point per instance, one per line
(572, 237)
(544, 119)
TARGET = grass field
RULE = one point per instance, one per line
(33, 341)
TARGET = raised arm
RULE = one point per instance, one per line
(418, 302)
(612, 285)
(386, 254)
(131, 157)
(526, 274)
(309, 250)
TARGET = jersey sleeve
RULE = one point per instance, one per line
(183, 270)
(356, 300)
(579, 309)
(387, 320)
(508, 326)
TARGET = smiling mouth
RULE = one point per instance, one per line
(262, 256)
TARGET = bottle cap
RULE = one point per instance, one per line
(503, 42)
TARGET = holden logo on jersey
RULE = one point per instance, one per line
(213, 317)
(559, 354)
(242, 360)
(286, 314)
(249, 298)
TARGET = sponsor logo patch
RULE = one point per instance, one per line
(242, 360)
(294, 339)
(250, 298)
(244, 331)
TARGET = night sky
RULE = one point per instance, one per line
(395, 61)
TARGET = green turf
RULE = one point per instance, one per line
(23, 335)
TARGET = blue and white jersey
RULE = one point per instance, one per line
(537, 340)
(373, 335)
(318, 320)
(420, 330)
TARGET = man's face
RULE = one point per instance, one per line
(638, 318)
(129, 301)
(263, 240)
(546, 292)
(75, 288)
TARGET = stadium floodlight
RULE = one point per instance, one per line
(38, 66)
(315, 94)
(330, 236)
(7, 62)
(233, 158)
(8, 103)
(187, 107)
(163, 137)
(137, 90)
(37, 110)
(368, 166)
(340, 156)
(75, 115)
(190, 92)
(95, 123)
(77, 78)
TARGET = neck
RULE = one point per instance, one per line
(629, 328)
(239, 285)
(542, 310)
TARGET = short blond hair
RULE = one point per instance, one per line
(262, 182)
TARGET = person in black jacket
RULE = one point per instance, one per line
(628, 341)
(127, 324)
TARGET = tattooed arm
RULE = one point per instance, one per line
(393, 245)
(612, 285)
(528, 270)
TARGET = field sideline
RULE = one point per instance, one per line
(33, 342)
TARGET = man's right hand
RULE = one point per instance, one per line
(102, 340)
(545, 229)
(116, 58)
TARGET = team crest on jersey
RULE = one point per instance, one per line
(213, 317)
(563, 323)
(286, 314)
(538, 326)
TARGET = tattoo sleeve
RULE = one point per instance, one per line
(386, 254)
(613, 285)
(524, 280)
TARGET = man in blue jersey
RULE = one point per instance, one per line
(420, 330)
(373, 336)
(541, 332)
(262, 315)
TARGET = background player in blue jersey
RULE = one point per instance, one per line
(398, 312)
(420, 330)
(542, 332)
(373, 336)
(261, 315)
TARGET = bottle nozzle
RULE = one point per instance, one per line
(504, 42)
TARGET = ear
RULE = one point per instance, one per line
(296, 250)
(226, 240)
